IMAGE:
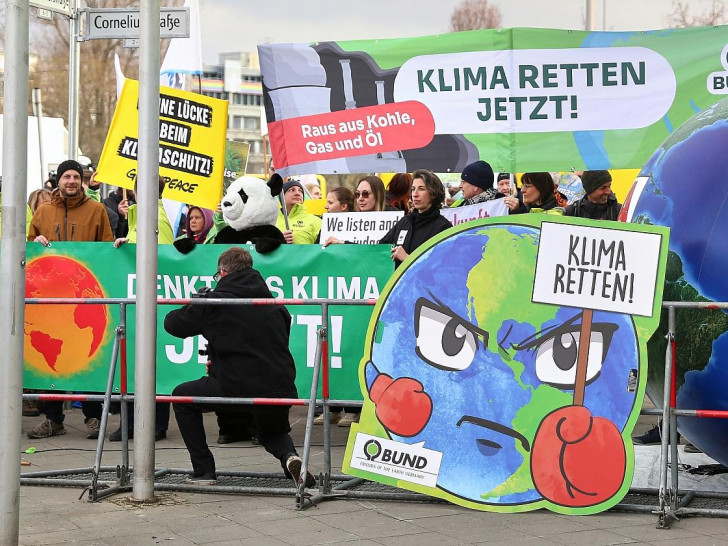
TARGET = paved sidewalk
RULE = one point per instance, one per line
(55, 515)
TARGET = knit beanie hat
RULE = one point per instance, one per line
(478, 174)
(591, 180)
(69, 165)
(288, 185)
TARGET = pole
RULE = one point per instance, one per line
(146, 256)
(589, 24)
(74, 60)
(12, 263)
(38, 112)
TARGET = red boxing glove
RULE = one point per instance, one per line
(403, 407)
(577, 459)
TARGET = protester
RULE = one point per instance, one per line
(303, 227)
(424, 222)
(69, 216)
(112, 202)
(398, 192)
(313, 190)
(338, 200)
(503, 184)
(198, 224)
(477, 184)
(369, 194)
(537, 190)
(249, 357)
(38, 197)
(165, 235)
(598, 203)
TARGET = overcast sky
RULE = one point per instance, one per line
(239, 25)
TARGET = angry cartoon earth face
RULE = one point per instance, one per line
(462, 360)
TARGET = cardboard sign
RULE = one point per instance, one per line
(597, 268)
(191, 144)
(365, 228)
(473, 390)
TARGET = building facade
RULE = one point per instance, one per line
(237, 79)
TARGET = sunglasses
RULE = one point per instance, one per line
(364, 193)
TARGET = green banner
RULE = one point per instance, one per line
(522, 99)
(69, 347)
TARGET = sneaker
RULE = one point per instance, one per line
(347, 419)
(206, 479)
(334, 417)
(294, 464)
(690, 448)
(30, 408)
(47, 429)
(160, 435)
(92, 427)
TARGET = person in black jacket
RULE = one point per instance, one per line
(599, 203)
(248, 357)
(423, 222)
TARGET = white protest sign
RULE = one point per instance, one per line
(597, 268)
(459, 215)
(359, 227)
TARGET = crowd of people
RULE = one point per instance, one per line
(73, 211)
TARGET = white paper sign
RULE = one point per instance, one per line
(359, 227)
(459, 215)
(597, 268)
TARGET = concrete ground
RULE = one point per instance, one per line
(55, 515)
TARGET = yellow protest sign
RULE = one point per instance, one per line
(191, 144)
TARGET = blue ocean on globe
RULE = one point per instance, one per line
(484, 276)
(685, 187)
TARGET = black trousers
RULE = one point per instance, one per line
(53, 410)
(271, 422)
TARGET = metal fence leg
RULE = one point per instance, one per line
(93, 488)
(301, 480)
(665, 515)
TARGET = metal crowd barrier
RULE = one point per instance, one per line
(672, 503)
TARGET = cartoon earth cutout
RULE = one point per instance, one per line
(462, 361)
(61, 340)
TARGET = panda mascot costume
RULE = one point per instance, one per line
(250, 209)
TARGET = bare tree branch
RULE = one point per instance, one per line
(474, 15)
(681, 17)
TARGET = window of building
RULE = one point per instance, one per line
(251, 124)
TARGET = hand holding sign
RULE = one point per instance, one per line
(574, 438)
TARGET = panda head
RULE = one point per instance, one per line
(251, 202)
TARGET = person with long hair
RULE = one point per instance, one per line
(370, 194)
(38, 197)
(398, 192)
(537, 190)
(425, 220)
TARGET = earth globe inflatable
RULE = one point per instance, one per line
(684, 185)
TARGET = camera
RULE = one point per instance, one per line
(202, 292)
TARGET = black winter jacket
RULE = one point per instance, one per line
(417, 228)
(584, 208)
(247, 345)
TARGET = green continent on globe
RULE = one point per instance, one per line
(527, 420)
(695, 332)
(512, 298)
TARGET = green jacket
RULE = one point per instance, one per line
(304, 225)
(165, 237)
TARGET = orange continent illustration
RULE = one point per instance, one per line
(62, 340)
